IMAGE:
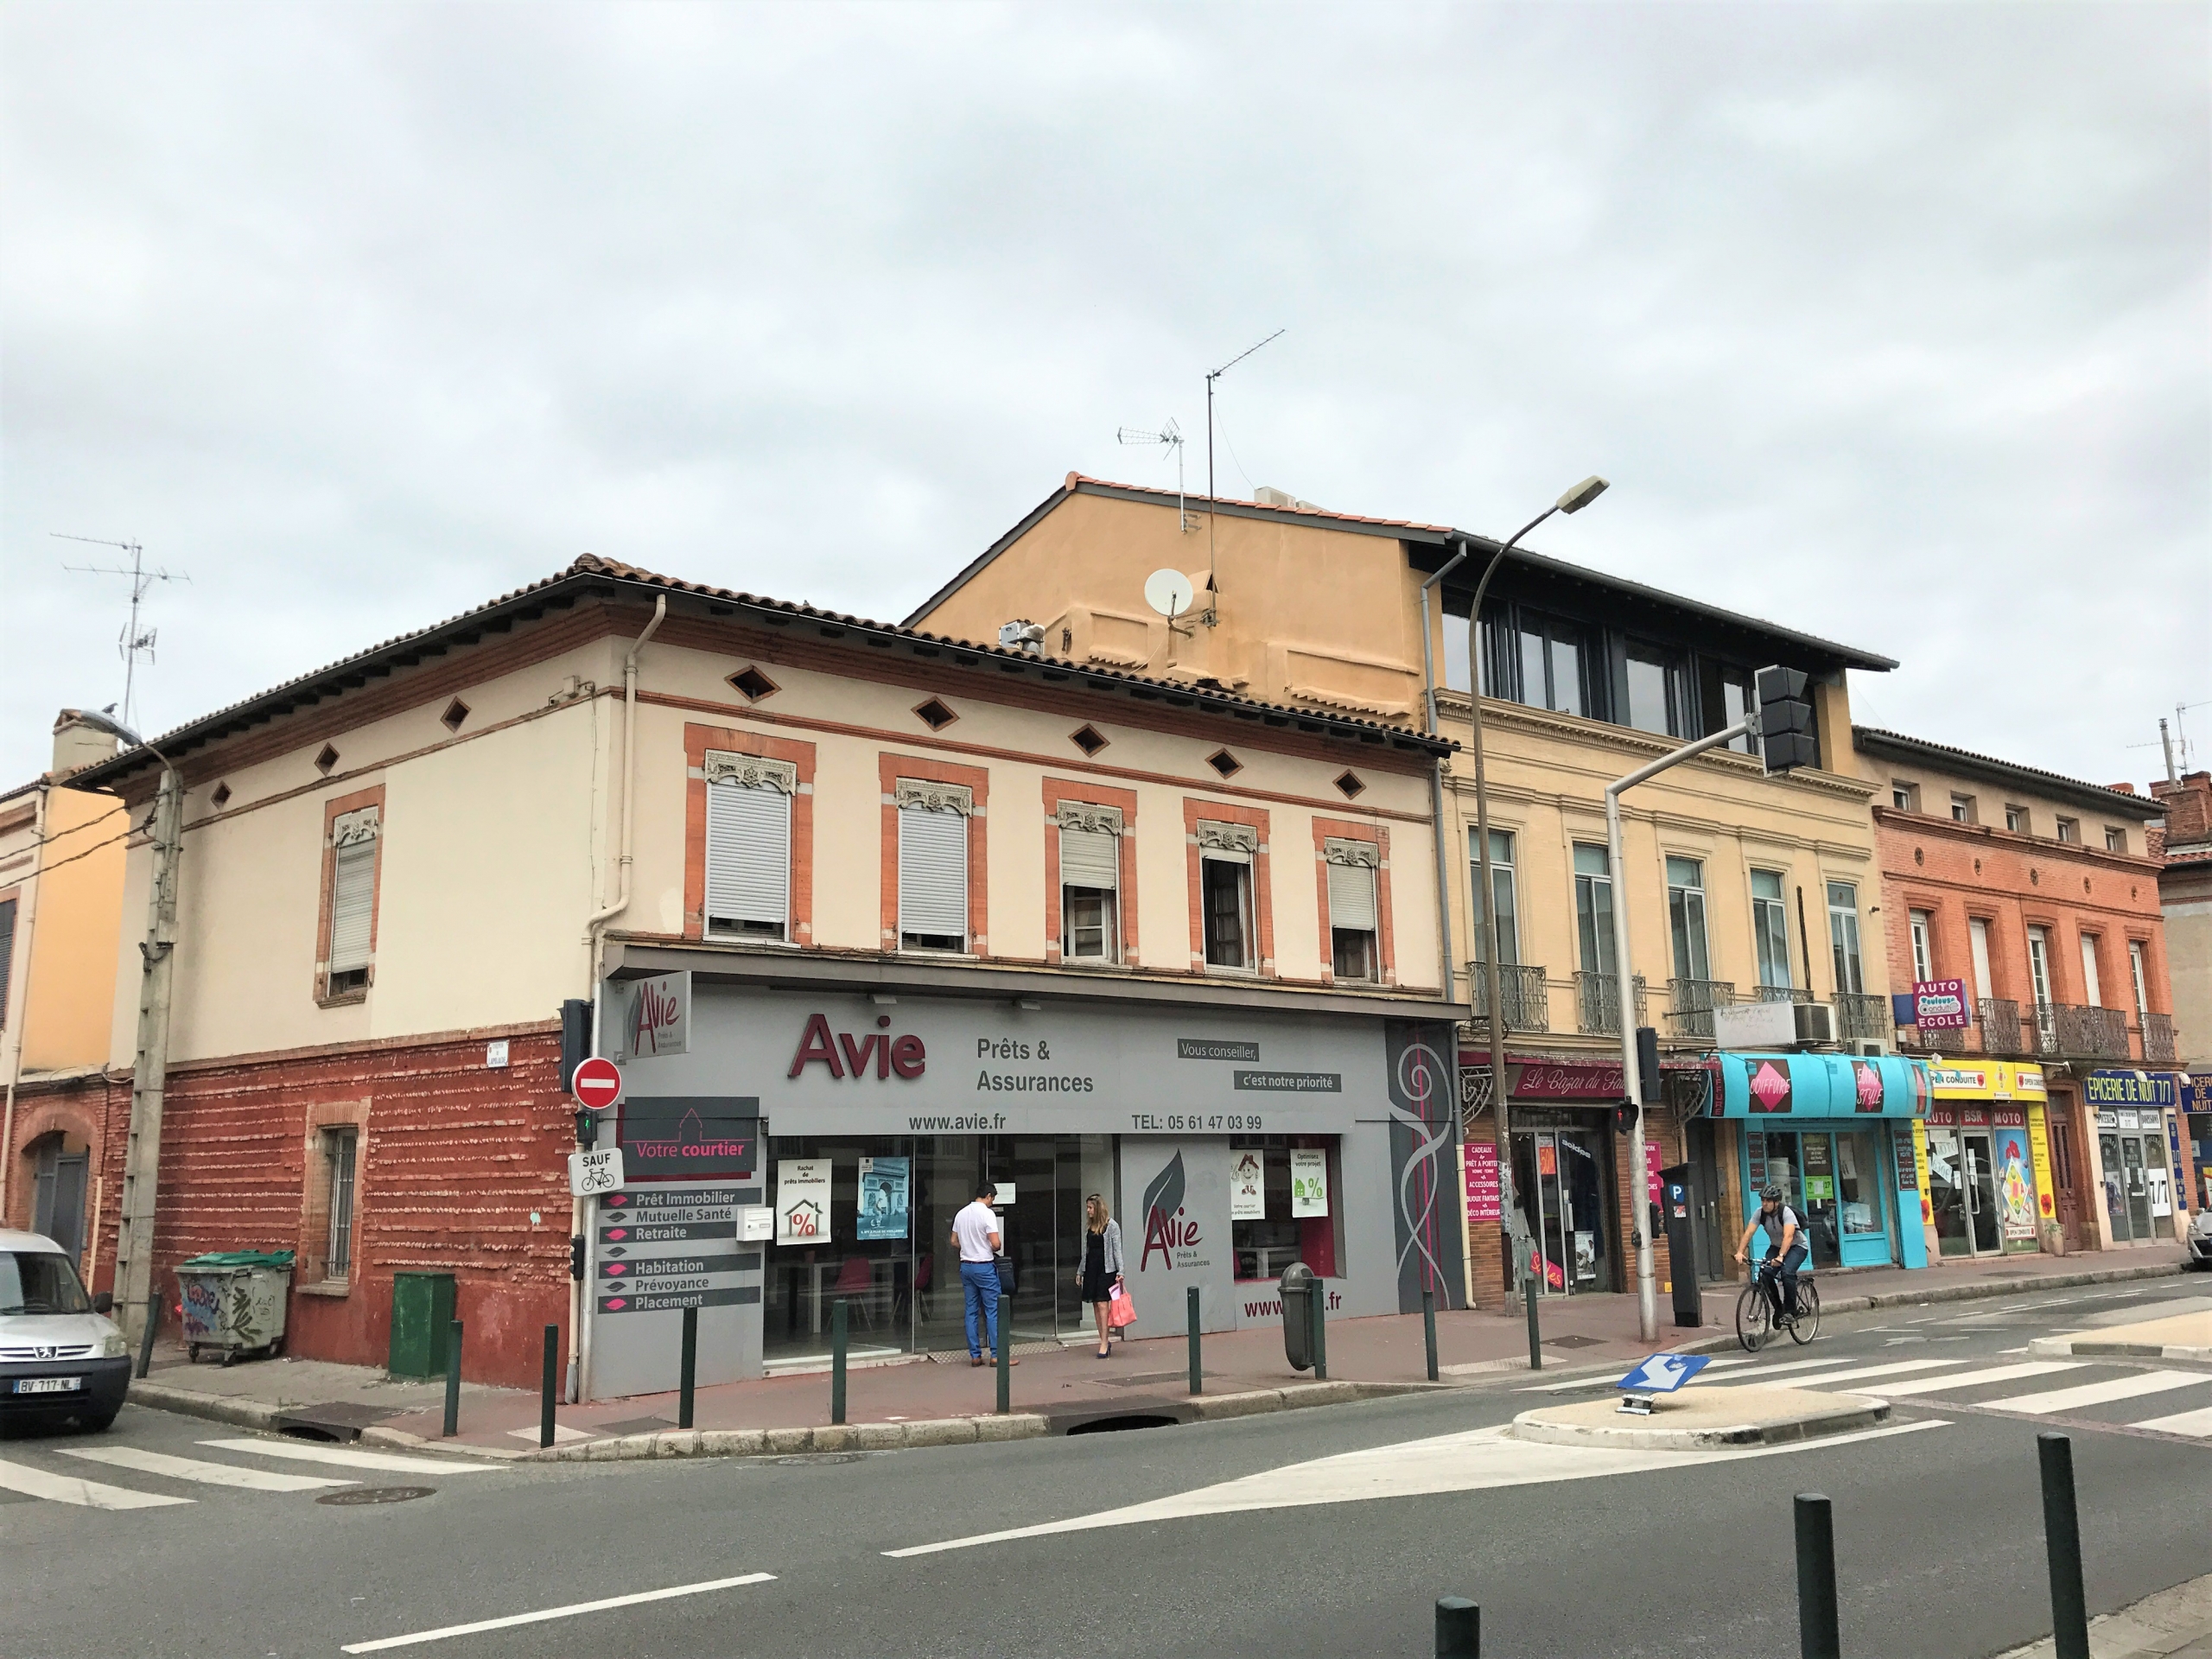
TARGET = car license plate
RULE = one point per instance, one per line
(48, 1384)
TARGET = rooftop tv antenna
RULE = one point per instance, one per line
(132, 640)
(1171, 435)
(1212, 589)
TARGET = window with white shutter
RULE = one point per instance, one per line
(1091, 881)
(748, 859)
(354, 837)
(932, 866)
(1353, 866)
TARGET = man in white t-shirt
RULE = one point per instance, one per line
(976, 1235)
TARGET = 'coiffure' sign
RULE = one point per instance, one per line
(656, 1017)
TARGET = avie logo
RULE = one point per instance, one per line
(655, 1018)
(904, 1057)
(1165, 1228)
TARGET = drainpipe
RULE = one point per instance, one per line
(22, 1016)
(1436, 775)
(583, 1212)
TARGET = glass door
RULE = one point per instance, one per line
(1981, 1191)
(2162, 1198)
(2138, 1189)
(1022, 1167)
(1947, 1191)
(1817, 1183)
(2115, 1188)
(1584, 1213)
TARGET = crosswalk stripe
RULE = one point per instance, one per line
(85, 1494)
(2196, 1423)
(346, 1457)
(208, 1474)
(2098, 1393)
(1893, 1369)
(1969, 1379)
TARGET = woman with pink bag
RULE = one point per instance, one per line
(1101, 1275)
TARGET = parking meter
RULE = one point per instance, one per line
(1677, 1216)
(1298, 1288)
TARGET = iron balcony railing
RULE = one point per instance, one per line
(2159, 1036)
(1597, 1004)
(1860, 1016)
(1998, 1017)
(1776, 993)
(1521, 989)
(1693, 1001)
(2100, 1033)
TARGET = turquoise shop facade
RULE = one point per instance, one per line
(1841, 1134)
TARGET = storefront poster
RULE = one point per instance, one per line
(883, 1205)
(802, 1201)
(688, 1137)
(1309, 1182)
(2039, 1151)
(1920, 1167)
(2016, 1198)
(1247, 1187)
(1651, 1171)
(1483, 1192)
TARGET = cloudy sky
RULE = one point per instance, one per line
(1890, 323)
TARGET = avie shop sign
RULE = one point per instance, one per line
(2129, 1088)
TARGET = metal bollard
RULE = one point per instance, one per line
(1428, 1328)
(1006, 1353)
(1318, 1305)
(1817, 1635)
(146, 1336)
(453, 1380)
(548, 1383)
(1458, 1629)
(1198, 1372)
(840, 1334)
(2062, 1543)
(687, 1372)
(1535, 1336)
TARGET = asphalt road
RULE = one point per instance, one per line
(1937, 1518)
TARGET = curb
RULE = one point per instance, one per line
(1839, 1419)
(215, 1407)
(2086, 1347)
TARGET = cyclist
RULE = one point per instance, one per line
(1785, 1246)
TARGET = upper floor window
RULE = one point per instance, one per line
(748, 873)
(1771, 927)
(2015, 819)
(1685, 917)
(354, 837)
(1725, 691)
(2070, 829)
(2039, 965)
(1962, 809)
(1843, 938)
(1924, 947)
(7, 953)
(2138, 972)
(1658, 689)
(933, 864)
(1090, 882)
(1553, 657)
(1354, 867)
(2093, 992)
(1904, 796)
(1225, 855)
(1593, 909)
(1501, 881)
(2115, 839)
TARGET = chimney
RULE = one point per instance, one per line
(78, 744)
(2189, 807)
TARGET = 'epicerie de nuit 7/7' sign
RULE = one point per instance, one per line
(678, 1137)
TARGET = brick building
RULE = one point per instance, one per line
(2184, 850)
(2024, 908)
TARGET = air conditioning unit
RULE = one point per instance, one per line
(1868, 1048)
(1815, 1021)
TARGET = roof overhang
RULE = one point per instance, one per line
(1964, 763)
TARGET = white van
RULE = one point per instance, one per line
(59, 1356)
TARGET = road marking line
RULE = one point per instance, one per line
(346, 1458)
(211, 1474)
(85, 1494)
(1895, 1368)
(570, 1611)
(1967, 1379)
(2195, 1423)
(1607, 1377)
(2098, 1393)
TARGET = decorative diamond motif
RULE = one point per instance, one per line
(1771, 1084)
(457, 711)
(934, 714)
(1088, 738)
(1350, 783)
(753, 683)
(1224, 763)
(325, 761)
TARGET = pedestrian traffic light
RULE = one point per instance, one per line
(1786, 734)
(576, 1256)
(587, 1128)
(1624, 1114)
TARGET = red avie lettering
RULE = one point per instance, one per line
(1166, 1234)
(848, 1056)
(816, 1044)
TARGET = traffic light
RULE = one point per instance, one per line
(1647, 1065)
(576, 1256)
(587, 1128)
(1624, 1113)
(1786, 734)
(575, 1038)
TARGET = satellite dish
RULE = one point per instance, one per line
(1168, 592)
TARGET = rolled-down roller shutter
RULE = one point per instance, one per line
(749, 856)
(933, 873)
(352, 905)
(1089, 858)
(1351, 896)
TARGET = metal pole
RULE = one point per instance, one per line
(1317, 1305)
(1428, 1328)
(453, 1379)
(1535, 1336)
(687, 1372)
(2062, 1543)
(1817, 1636)
(1647, 1284)
(142, 1161)
(1458, 1629)
(1005, 1348)
(1198, 1372)
(840, 1328)
(548, 1383)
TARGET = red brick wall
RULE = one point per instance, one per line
(455, 1156)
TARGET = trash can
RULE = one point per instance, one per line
(233, 1302)
(422, 1313)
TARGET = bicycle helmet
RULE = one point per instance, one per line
(1772, 1195)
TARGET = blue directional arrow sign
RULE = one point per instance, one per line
(1664, 1373)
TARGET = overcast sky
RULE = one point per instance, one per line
(1887, 323)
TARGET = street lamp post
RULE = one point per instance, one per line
(134, 1237)
(1572, 502)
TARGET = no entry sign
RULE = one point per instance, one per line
(598, 1083)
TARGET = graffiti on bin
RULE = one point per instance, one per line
(205, 1316)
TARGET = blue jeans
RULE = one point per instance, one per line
(979, 1283)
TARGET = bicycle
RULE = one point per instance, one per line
(1755, 1311)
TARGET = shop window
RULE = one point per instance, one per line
(1501, 881)
(1658, 689)
(354, 838)
(748, 857)
(1685, 917)
(1090, 882)
(1265, 1243)
(1353, 924)
(1594, 908)
(1770, 928)
(1843, 938)
(932, 866)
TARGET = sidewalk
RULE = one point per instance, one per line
(922, 1401)
(2174, 1624)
